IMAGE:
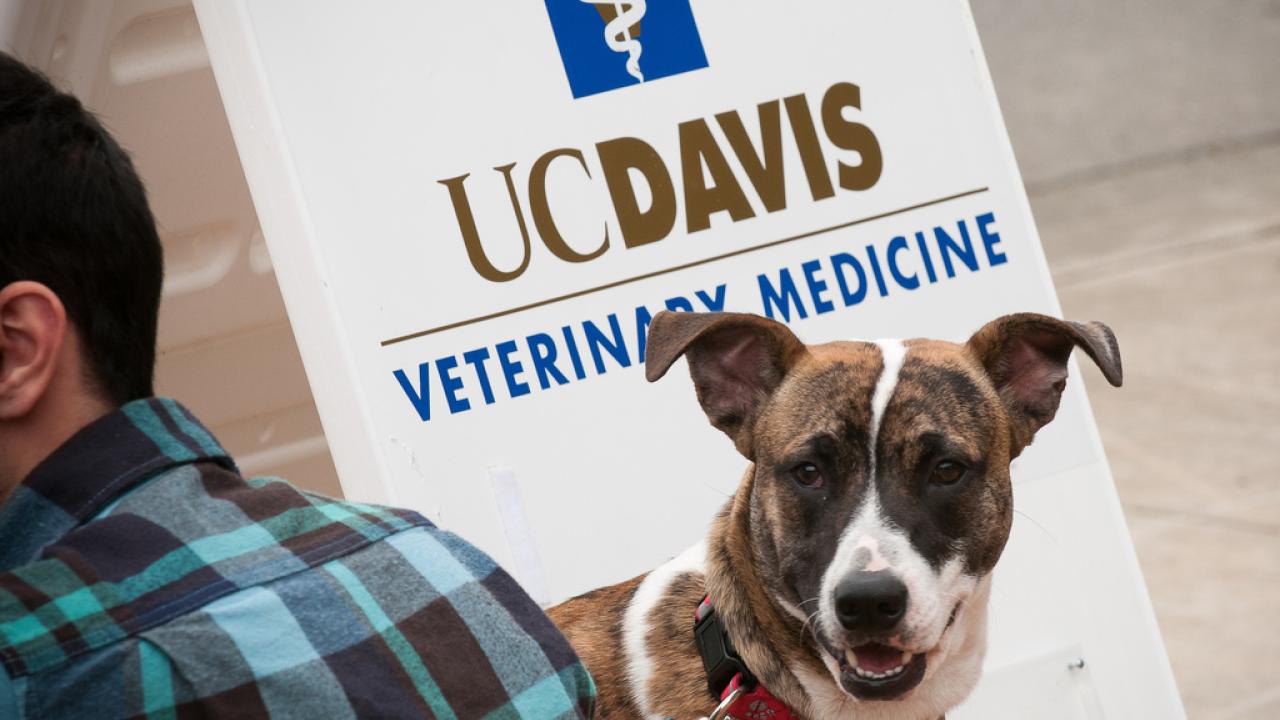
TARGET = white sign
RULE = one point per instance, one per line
(475, 208)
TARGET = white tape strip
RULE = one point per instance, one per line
(526, 564)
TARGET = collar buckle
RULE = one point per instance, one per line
(719, 658)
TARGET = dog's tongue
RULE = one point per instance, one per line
(877, 658)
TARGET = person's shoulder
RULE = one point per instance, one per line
(169, 547)
(247, 593)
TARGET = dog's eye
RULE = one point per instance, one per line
(947, 472)
(807, 474)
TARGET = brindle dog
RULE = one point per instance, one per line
(852, 567)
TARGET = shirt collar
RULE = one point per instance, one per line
(98, 464)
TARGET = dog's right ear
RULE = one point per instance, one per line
(736, 361)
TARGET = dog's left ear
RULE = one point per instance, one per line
(736, 360)
(1025, 356)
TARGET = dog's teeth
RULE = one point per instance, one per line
(872, 675)
(852, 659)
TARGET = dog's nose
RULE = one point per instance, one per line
(870, 601)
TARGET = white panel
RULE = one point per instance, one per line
(348, 118)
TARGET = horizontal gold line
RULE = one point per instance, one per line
(686, 266)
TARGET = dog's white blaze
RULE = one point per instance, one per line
(636, 621)
(892, 353)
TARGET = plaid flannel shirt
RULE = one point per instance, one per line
(142, 576)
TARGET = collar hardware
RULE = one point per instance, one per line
(719, 658)
(722, 710)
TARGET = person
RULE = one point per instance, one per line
(140, 574)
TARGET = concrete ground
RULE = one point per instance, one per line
(1148, 132)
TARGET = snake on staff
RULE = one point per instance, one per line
(617, 32)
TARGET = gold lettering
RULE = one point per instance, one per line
(698, 146)
(617, 158)
(541, 210)
(471, 236)
(815, 167)
(764, 168)
(710, 185)
(849, 135)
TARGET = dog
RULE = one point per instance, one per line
(848, 576)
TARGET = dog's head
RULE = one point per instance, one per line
(881, 496)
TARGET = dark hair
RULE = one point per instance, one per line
(74, 217)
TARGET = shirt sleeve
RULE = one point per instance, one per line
(420, 624)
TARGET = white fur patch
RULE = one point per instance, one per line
(636, 621)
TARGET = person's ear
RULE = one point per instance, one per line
(33, 326)
(1025, 355)
(736, 360)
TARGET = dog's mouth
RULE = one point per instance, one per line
(872, 671)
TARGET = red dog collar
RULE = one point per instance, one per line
(741, 696)
(756, 703)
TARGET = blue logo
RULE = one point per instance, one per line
(606, 45)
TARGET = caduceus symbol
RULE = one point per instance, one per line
(622, 27)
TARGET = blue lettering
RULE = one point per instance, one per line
(816, 287)
(420, 398)
(990, 240)
(713, 304)
(543, 350)
(948, 246)
(845, 259)
(924, 255)
(781, 300)
(451, 385)
(597, 339)
(511, 368)
(574, 357)
(643, 318)
(476, 359)
(677, 304)
(875, 270)
(896, 246)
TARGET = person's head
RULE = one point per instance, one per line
(81, 265)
